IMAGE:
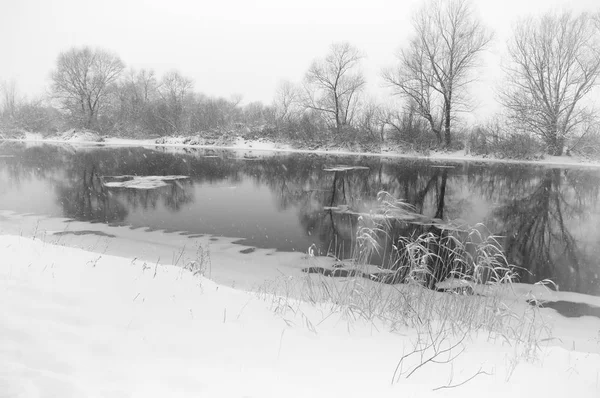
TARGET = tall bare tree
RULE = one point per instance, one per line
(554, 65)
(333, 85)
(141, 85)
(436, 67)
(135, 93)
(9, 99)
(286, 102)
(173, 89)
(82, 79)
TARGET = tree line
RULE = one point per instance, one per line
(551, 74)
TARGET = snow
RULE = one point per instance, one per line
(79, 323)
(84, 136)
(259, 145)
(246, 146)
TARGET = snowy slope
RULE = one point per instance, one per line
(79, 324)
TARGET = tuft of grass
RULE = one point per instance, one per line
(201, 264)
(448, 274)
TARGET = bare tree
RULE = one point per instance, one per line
(142, 85)
(373, 119)
(436, 67)
(405, 124)
(131, 109)
(82, 79)
(286, 102)
(555, 63)
(255, 114)
(173, 90)
(333, 85)
(9, 99)
(236, 99)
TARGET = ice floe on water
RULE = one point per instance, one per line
(141, 182)
(345, 168)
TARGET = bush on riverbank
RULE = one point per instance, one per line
(587, 146)
(489, 141)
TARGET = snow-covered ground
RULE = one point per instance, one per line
(79, 323)
(263, 146)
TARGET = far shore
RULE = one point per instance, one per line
(242, 144)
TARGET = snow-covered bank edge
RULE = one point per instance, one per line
(79, 324)
(270, 146)
(253, 269)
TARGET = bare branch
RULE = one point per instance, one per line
(554, 65)
(436, 68)
(332, 85)
(81, 81)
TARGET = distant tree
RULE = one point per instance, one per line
(554, 65)
(434, 71)
(38, 116)
(372, 120)
(236, 99)
(286, 102)
(129, 110)
(9, 99)
(141, 86)
(405, 124)
(173, 90)
(18, 112)
(82, 79)
(215, 114)
(256, 113)
(333, 85)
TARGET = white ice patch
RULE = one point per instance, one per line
(345, 168)
(140, 182)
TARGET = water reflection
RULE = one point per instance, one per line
(83, 197)
(538, 225)
(548, 216)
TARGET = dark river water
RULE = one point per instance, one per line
(548, 216)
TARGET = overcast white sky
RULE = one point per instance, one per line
(231, 46)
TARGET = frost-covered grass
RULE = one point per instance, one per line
(448, 282)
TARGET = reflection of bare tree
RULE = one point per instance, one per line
(537, 231)
(173, 196)
(83, 196)
(86, 199)
(24, 163)
(497, 181)
(442, 263)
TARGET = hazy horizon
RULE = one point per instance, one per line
(235, 47)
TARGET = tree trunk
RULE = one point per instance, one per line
(555, 145)
(436, 131)
(338, 123)
(447, 108)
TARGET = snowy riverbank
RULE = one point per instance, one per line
(82, 324)
(264, 145)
